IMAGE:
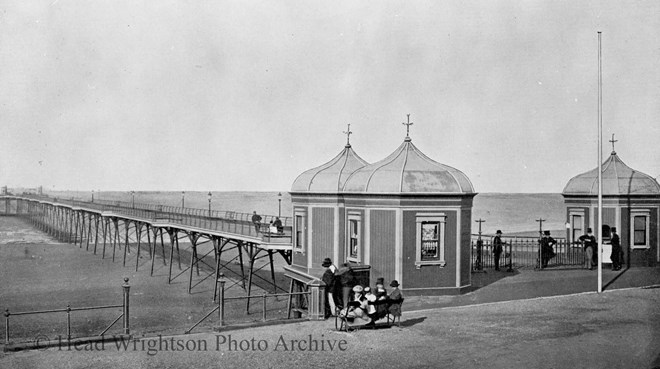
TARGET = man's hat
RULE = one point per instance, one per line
(394, 283)
(589, 230)
(357, 288)
(498, 232)
(367, 289)
(547, 233)
(613, 229)
(326, 262)
(380, 280)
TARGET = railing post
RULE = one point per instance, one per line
(263, 297)
(316, 300)
(68, 322)
(126, 314)
(221, 299)
(6, 326)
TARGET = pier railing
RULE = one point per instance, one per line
(222, 221)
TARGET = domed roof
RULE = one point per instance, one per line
(618, 179)
(331, 176)
(408, 170)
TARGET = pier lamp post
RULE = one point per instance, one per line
(279, 205)
(183, 199)
(92, 195)
(133, 199)
(210, 194)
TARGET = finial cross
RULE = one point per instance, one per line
(408, 126)
(348, 134)
(613, 141)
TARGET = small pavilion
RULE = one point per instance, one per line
(631, 203)
(405, 217)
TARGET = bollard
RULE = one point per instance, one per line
(68, 322)
(127, 289)
(6, 326)
(221, 299)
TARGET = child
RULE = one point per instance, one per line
(396, 298)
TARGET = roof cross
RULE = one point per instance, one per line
(613, 141)
(408, 126)
(348, 135)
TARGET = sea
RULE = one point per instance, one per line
(513, 213)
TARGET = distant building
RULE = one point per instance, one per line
(406, 217)
(631, 203)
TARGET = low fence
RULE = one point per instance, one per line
(278, 313)
(524, 252)
(68, 310)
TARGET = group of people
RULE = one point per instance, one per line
(365, 303)
(588, 240)
(274, 227)
(590, 246)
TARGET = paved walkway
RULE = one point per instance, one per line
(493, 286)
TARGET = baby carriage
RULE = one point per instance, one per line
(355, 314)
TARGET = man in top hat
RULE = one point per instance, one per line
(547, 251)
(497, 248)
(589, 242)
(616, 250)
(329, 280)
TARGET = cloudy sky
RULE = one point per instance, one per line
(246, 95)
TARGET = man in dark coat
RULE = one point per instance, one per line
(329, 280)
(256, 220)
(344, 277)
(497, 248)
(589, 242)
(616, 250)
(547, 252)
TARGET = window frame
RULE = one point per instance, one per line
(356, 218)
(441, 220)
(299, 239)
(571, 215)
(646, 214)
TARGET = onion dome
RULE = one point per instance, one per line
(618, 179)
(331, 176)
(408, 170)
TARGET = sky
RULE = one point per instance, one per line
(246, 95)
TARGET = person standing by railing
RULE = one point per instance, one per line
(589, 242)
(497, 248)
(547, 251)
(256, 220)
(616, 250)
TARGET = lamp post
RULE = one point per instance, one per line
(210, 194)
(279, 205)
(133, 199)
(92, 195)
(183, 199)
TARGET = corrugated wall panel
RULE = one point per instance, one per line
(322, 234)
(383, 241)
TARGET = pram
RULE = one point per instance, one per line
(354, 315)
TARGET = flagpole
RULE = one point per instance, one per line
(600, 168)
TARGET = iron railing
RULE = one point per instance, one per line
(524, 252)
(124, 305)
(222, 300)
